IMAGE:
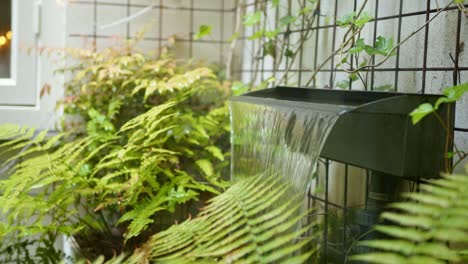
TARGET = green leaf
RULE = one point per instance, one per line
(358, 47)
(346, 20)
(363, 19)
(239, 88)
(385, 87)
(269, 49)
(383, 258)
(205, 166)
(459, 1)
(252, 19)
(216, 152)
(401, 246)
(275, 3)
(455, 93)
(419, 113)
(383, 46)
(343, 84)
(284, 21)
(289, 53)
(204, 30)
(272, 33)
(257, 35)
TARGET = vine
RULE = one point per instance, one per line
(356, 57)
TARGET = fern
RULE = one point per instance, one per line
(136, 127)
(428, 228)
(255, 221)
(139, 176)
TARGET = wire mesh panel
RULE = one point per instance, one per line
(428, 53)
(429, 39)
(105, 23)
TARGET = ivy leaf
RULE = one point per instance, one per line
(204, 30)
(452, 94)
(346, 83)
(363, 19)
(257, 35)
(289, 53)
(272, 33)
(358, 47)
(252, 19)
(306, 10)
(386, 87)
(353, 77)
(383, 46)
(420, 112)
(239, 88)
(343, 84)
(284, 21)
(205, 166)
(363, 63)
(346, 20)
(343, 60)
(269, 49)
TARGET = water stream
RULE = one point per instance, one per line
(279, 137)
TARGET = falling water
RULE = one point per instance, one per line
(279, 137)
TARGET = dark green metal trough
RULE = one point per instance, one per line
(374, 130)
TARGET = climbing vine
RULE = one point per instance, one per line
(353, 54)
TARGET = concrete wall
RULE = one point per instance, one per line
(164, 20)
(441, 46)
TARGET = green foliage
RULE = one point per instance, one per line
(18, 250)
(284, 21)
(383, 46)
(204, 30)
(138, 130)
(451, 94)
(257, 220)
(252, 19)
(350, 19)
(430, 227)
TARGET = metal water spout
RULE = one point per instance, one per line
(374, 130)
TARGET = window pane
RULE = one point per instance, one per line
(5, 38)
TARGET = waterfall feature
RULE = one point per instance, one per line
(280, 138)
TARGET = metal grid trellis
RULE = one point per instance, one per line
(308, 62)
(187, 9)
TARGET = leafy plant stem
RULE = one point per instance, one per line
(401, 42)
(304, 37)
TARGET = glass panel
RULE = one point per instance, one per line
(5, 38)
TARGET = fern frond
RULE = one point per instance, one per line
(256, 220)
(427, 228)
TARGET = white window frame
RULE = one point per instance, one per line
(21, 89)
(13, 48)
